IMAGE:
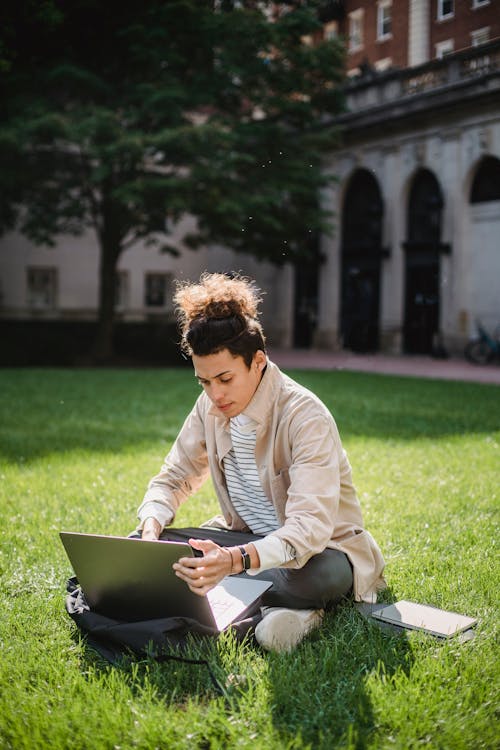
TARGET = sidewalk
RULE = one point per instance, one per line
(410, 365)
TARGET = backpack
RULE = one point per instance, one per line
(162, 639)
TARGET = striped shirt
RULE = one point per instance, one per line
(242, 478)
(247, 496)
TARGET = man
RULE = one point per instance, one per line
(281, 476)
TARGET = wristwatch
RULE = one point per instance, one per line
(245, 558)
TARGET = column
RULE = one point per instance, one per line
(329, 280)
(419, 32)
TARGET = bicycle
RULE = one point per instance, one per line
(483, 348)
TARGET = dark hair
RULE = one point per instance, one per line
(220, 312)
(210, 335)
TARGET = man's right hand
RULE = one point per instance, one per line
(151, 530)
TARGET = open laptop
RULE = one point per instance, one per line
(132, 580)
(414, 616)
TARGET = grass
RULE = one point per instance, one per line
(76, 451)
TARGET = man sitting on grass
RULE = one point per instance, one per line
(281, 476)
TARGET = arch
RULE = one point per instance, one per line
(361, 253)
(362, 221)
(422, 264)
(486, 182)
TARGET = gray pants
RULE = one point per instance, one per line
(323, 581)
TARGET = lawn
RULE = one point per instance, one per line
(77, 448)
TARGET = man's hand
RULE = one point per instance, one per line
(151, 530)
(203, 573)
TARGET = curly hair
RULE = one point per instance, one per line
(220, 312)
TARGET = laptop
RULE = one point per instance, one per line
(132, 580)
(415, 616)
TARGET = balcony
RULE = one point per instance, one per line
(395, 95)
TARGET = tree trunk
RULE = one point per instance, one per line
(103, 345)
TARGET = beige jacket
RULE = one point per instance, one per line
(302, 466)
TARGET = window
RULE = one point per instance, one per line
(480, 36)
(444, 48)
(356, 30)
(331, 30)
(384, 64)
(158, 289)
(121, 290)
(445, 9)
(384, 19)
(42, 288)
(479, 3)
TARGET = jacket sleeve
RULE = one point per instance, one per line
(183, 472)
(313, 492)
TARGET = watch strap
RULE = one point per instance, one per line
(245, 558)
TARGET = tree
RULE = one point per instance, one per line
(115, 116)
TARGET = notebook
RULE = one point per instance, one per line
(415, 616)
(133, 580)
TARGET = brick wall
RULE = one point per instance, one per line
(374, 50)
(465, 20)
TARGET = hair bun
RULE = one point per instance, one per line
(217, 296)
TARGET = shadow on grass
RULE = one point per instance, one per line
(320, 693)
(192, 671)
(50, 411)
(316, 696)
(60, 411)
(403, 408)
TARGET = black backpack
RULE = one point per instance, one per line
(162, 639)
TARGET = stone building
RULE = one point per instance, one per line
(415, 256)
(415, 259)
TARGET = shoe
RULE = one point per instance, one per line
(282, 629)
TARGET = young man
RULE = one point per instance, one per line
(281, 476)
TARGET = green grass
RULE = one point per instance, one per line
(77, 449)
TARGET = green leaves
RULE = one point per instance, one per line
(203, 100)
(120, 114)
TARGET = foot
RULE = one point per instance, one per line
(282, 629)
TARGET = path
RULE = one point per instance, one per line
(410, 365)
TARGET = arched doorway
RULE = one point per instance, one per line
(423, 248)
(486, 183)
(362, 253)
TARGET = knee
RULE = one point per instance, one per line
(332, 578)
(323, 581)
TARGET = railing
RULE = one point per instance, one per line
(481, 63)
(375, 89)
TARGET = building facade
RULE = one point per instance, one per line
(415, 260)
(415, 257)
(60, 283)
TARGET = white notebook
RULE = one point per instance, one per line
(423, 617)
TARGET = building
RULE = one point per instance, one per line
(415, 257)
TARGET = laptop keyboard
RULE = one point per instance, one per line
(225, 607)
